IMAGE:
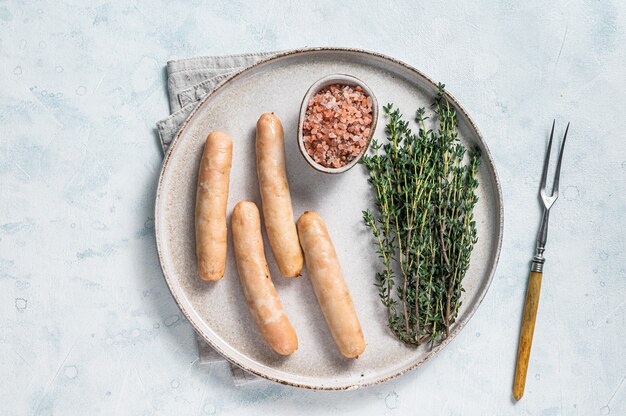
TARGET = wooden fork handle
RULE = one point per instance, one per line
(526, 334)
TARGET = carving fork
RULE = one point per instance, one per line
(536, 271)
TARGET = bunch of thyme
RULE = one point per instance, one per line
(424, 228)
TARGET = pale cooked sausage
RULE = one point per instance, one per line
(261, 296)
(211, 202)
(331, 290)
(277, 210)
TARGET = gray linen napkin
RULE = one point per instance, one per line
(188, 81)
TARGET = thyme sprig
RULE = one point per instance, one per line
(424, 189)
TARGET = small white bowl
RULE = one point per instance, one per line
(318, 85)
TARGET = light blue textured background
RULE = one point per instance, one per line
(87, 325)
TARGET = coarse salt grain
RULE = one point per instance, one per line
(337, 123)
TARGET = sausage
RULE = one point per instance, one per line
(261, 297)
(211, 202)
(330, 288)
(277, 210)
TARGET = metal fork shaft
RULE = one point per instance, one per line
(542, 237)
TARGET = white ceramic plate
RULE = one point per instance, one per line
(217, 310)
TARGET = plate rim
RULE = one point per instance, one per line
(419, 74)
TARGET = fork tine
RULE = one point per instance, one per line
(546, 162)
(555, 186)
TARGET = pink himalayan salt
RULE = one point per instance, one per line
(337, 124)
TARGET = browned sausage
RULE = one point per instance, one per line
(332, 293)
(211, 202)
(263, 302)
(277, 210)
